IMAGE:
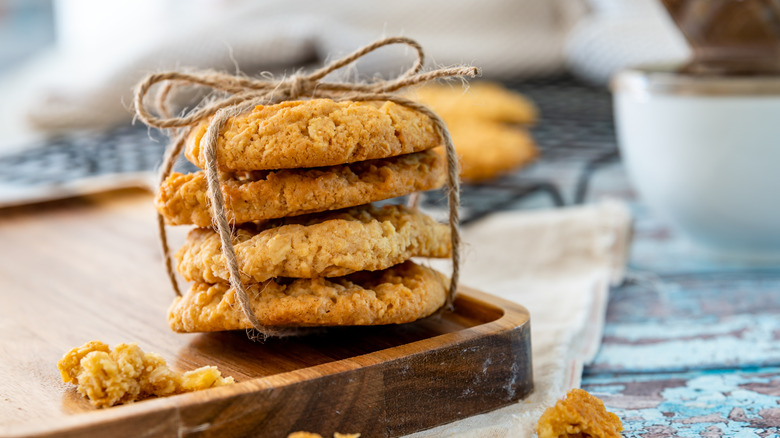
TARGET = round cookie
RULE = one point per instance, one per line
(315, 133)
(481, 101)
(401, 294)
(183, 199)
(488, 150)
(331, 244)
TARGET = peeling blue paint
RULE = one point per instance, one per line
(691, 343)
(743, 340)
(693, 321)
(718, 403)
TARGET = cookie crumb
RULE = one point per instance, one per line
(127, 374)
(578, 414)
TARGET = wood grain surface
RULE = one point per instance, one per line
(90, 268)
(692, 355)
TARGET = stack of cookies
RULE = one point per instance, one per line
(298, 178)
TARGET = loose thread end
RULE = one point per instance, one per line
(167, 254)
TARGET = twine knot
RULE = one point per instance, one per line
(241, 94)
(298, 86)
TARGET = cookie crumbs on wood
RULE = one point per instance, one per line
(579, 414)
(127, 374)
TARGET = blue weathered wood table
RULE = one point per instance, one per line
(691, 345)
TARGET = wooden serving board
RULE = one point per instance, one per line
(90, 269)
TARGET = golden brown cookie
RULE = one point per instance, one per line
(400, 294)
(127, 374)
(330, 244)
(481, 101)
(579, 414)
(477, 119)
(315, 133)
(182, 199)
(489, 150)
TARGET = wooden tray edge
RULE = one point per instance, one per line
(163, 416)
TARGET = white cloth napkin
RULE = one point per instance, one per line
(558, 264)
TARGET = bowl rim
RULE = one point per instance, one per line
(666, 79)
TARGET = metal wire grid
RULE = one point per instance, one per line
(575, 125)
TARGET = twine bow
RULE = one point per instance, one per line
(242, 94)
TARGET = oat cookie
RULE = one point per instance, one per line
(489, 150)
(478, 120)
(182, 199)
(315, 133)
(400, 294)
(481, 101)
(330, 244)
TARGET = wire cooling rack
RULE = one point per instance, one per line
(575, 135)
(575, 131)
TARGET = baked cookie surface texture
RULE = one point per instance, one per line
(315, 133)
(183, 198)
(329, 244)
(400, 294)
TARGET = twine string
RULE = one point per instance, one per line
(242, 94)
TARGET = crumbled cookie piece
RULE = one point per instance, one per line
(202, 378)
(397, 295)
(70, 363)
(329, 244)
(127, 374)
(578, 415)
(315, 133)
(183, 199)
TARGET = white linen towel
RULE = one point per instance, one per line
(559, 264)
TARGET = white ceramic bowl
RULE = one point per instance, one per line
(704, 153)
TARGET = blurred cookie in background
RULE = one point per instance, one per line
(488, 126)
(487, 101)
(487, 150)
